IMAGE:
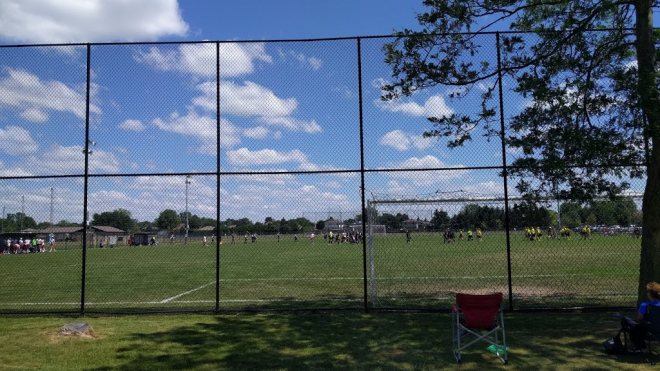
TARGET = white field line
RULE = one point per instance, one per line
(171, 299)
(185, 293)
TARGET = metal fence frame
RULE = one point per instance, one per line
(219, 173)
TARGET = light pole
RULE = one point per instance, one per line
(188, 181)
(87, 152)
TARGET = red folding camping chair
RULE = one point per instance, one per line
(474, 319)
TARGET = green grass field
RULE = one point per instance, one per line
(287, 275)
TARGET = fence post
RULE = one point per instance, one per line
(362, 188)
(217, 198)
(505, 174)
(86, 181)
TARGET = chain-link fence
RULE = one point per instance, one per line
(223, 176)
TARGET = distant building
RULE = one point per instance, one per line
(110, 236)
(415, 225)
(333, 225)
(63, 233)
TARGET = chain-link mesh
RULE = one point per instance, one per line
(233, 175)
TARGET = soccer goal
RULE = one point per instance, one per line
(411, 260)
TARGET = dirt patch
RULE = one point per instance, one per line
(78, 329)
(518, 291)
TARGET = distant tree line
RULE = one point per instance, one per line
(622, 211)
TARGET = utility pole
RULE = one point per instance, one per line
(22, 211)
(51, 206)
(188, 181)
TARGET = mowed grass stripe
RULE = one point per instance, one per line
(276, 272)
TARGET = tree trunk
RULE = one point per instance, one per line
(649, 267)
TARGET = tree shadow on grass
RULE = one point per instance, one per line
(287, 341)
(350, 341)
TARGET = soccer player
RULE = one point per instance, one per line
(479, 234)
(408, 238)
(311, 236)
(52, 243)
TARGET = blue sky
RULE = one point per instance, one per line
(285, 106)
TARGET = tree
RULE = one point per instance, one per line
(168, 219)
(66, 223)
(119, 218)
(285, 227)
(440, 219)
(244, 225)
(595, 96)
(145, 226)
(390, 221)
(300, 225)
(320, 225)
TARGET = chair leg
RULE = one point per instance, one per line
(506, 354)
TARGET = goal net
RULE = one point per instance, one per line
(418, 251)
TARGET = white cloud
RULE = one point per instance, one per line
(254, 100)
(403, 141)
(397, 188)
(293, 124)
(200, 59)
(13, 171)
(69, 21)
(132, 125)
(258, 132)
(396, 139)
(245, 157)
(17, 141)
(249, 99)
(287, 201)
(203, 128)
(279, 179)
(139, 194)
(331, 184)
(308, 166)
(344, 91)
(34, 115)
(70, 160)
(426, 178)
(487, 188)
(33, 96)
(379, 83)
(435, 106)
(312, 62)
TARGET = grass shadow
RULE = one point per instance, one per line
(350, 341)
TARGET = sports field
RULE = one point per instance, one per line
(288, 275)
